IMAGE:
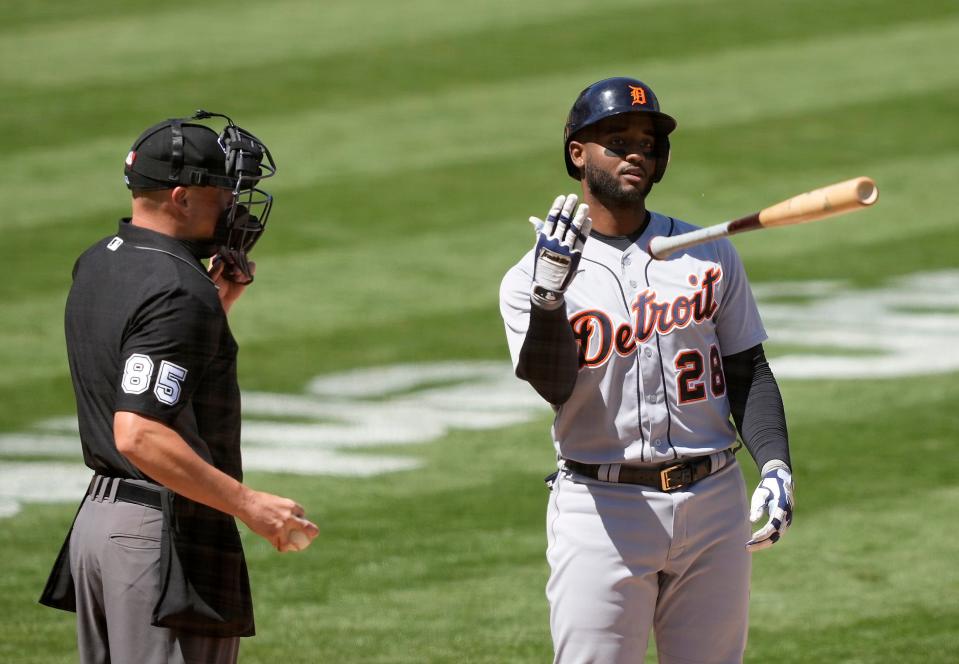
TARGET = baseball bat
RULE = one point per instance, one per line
(839, 198)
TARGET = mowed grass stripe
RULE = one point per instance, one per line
(129, 48)
(375, 74)
(423, 131)
(848, 551)
(704, 92)
(19, 17)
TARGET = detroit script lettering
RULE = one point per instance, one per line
(593, 328)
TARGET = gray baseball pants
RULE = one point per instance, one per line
(114, 558)
(625, 559)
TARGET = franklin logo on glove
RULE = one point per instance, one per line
(559, 246)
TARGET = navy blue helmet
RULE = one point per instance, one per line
(615, 96)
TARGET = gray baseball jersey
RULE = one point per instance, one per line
(651, 338)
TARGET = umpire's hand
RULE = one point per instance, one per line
(229, 286)
(274, 518)
(774, 496)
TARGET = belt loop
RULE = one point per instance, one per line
(104, 488)
(614, 471)
(716, 461)
(113, 489)
(96, 487)
(602, 473)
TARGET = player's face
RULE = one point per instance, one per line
(619, 161)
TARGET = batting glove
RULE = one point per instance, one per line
(773, 496)
(559, 246)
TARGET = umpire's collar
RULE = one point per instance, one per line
(186, 249)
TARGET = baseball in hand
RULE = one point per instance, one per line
(297, 540)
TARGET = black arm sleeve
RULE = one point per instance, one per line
(549, 359)
(757, 405)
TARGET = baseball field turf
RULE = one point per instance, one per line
(413, 140)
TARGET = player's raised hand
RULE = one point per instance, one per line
(559, 246)
(774, 496)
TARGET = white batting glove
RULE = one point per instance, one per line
(773, 496)
(559, 246)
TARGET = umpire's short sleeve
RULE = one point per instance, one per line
(165, 351)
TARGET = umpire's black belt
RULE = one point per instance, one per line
(672, 477)
(116, 488)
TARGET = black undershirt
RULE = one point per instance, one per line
(757, 405)
(621, 242)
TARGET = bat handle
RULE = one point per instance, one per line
(661, 247)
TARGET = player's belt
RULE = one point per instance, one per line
(672, 477)
(116, 488)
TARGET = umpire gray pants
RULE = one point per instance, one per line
(114, 558)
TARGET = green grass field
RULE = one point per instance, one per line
(413, 140)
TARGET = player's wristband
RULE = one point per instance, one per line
(775, 464)
(546, 298)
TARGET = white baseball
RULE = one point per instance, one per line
(297, 540)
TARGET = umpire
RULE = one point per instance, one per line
(153, 565)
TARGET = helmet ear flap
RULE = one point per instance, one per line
(663, 156)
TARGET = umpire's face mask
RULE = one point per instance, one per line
(241, 224)
(238, 229)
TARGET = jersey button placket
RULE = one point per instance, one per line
(626, 262)
(656, 418)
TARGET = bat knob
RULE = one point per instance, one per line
(657, 249)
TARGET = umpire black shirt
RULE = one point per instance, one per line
(146, 333)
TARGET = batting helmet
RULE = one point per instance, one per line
(615, 96)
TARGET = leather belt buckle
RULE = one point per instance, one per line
(671, 480)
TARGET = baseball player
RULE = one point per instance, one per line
(644, 361)
(153, 565)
